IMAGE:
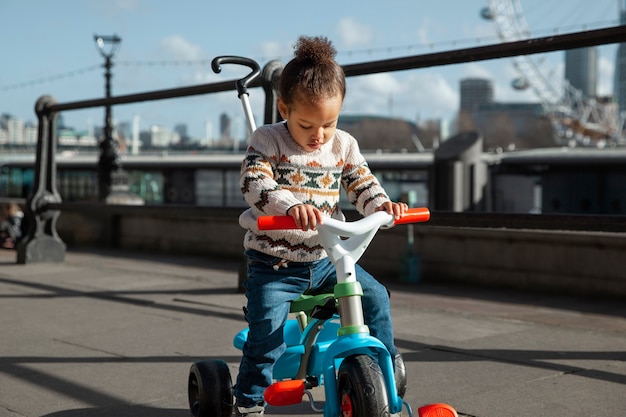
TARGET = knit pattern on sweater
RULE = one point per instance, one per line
(277, 174)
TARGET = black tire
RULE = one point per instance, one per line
(361, 388)
(210, 389)
(400, 375)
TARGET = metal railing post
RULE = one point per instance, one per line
(41, 243)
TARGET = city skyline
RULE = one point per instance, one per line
(14, 131)
(476, 96)
(167, 55)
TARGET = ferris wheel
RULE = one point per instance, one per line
(577, 119)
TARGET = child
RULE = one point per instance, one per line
(10, 225)
(296, 167)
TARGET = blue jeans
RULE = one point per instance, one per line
(269, 294)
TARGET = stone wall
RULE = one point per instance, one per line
(574, 262)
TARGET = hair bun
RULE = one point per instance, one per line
(317, 49)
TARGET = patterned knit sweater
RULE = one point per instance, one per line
(277, 174)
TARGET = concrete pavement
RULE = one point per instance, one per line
(108, 333)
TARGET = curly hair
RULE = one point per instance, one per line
(313, 73)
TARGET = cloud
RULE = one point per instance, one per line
(276, 50)
(177, 47)
(370, 94)
(423, 35)
(431, 94)
(424, 93)
(474, 70)
(352, 33)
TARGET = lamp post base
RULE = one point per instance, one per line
(120, 192)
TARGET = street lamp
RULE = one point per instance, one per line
(109, 158)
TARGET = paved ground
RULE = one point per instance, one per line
(113, 334)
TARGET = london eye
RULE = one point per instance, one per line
(577, 119)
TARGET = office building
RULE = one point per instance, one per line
(225, 126)
(619, 85)
(475, 92)
(581, 70)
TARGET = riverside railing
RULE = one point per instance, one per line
(42, 242)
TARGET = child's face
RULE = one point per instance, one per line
(312, 124)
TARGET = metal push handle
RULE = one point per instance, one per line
(242, 84)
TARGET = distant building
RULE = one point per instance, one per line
(4, 133)
(378, 133)
(225, 126)
(475, 92)
(162, 137)
(13, 128)
(30, 133)
(181, 129)
(513, 125)
(581, 70)
(125, 129)
(4, 128)
(619, 85)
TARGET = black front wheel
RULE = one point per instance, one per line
(361, 386)
(210, 389)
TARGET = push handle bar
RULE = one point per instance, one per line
(242, 84)
(412, 215)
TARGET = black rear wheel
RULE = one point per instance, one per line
(362, 391)
(210, 389)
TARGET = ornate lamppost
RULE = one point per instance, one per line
(109, 161)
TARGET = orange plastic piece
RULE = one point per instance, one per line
(287, 392)
(414, 215)
(276, 222)
(437, 410)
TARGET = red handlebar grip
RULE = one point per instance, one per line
(276, 222)
(414, 215)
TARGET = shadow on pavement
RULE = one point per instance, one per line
(135, 411)
(584, 304)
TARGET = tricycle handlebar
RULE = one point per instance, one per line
(412, 215)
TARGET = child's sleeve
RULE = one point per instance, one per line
(362, 187)
(258, 183)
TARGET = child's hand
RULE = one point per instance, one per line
(397, 209)
(306, 216)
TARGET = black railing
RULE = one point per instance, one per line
(502, 50)
(42, 242)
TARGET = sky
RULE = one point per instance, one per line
(48, 48)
